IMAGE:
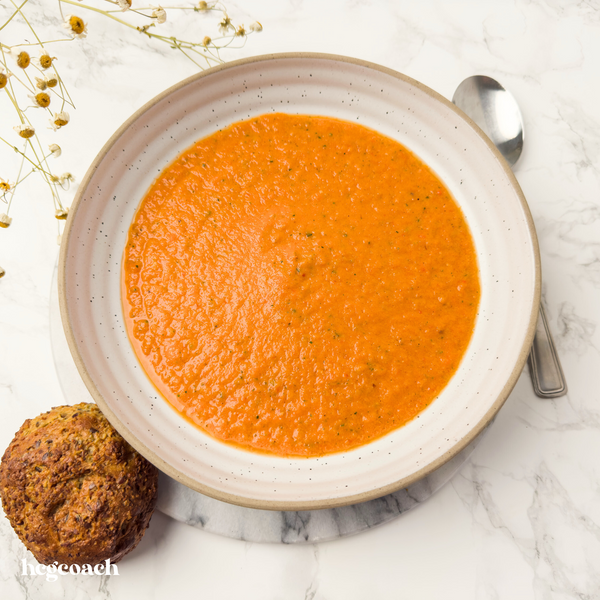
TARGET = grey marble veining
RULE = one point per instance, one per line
(290, 527)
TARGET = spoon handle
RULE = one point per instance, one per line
(546, 373)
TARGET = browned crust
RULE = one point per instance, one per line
(74, 490)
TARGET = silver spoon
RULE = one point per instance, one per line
(497, 113)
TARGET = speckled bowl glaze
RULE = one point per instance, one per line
(391, 103)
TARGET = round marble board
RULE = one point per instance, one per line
(249, 524)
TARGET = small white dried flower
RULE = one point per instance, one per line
(225, 25)
(240, 32)
(41, 84)
(256, 26)
(160, 14)
(203, 5)
(45, 60)
(61, 214)
(3, 78)
(5, 220)
(41, 100)
(75, 26)
(65, 182)
(25, 130)
(51, 80)
(21, 57)
(55, 150)
(124, 4)
(66, 178)
(59, 120)
(4, 186)
(206, 41)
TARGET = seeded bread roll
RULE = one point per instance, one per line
(74, 490)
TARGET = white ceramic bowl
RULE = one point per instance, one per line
(391, 103)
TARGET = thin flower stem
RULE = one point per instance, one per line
(39, 44)
(189, 57)
(26, 21)
(16, 78)
(44, 161)
(97, 10)
(64, 91)
(17, 11)
(36, 166)
(20, 180)
(203, 55)
(45, 175)
(137, 10)
(32, 88)
(16, 182)
(11, 95)
(211, 56)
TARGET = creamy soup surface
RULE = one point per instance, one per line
(299, 285)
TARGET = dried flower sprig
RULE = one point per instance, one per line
(31, 82)
(203, 52)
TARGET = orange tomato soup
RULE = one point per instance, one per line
(299, 285)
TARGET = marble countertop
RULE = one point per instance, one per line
(521, 519)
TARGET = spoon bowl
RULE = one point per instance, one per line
(495, 111)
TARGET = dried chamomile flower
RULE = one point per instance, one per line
(61, 213)
(59, 120)
(42, 100)
(25, 130)
(203, 5)
(206, 41)
(3, 78)
(256, 26)
(225, 25)
(124, 4)
(21, 57)
(51, 81)
(160, 14)
(55, 150)
(75, 26)
(64, 181)
(240, 32)
(4, 186)
(45, 60)
(66, 178)
(5, 221)
(2, 272)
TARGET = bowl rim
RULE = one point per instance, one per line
(275, 504)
